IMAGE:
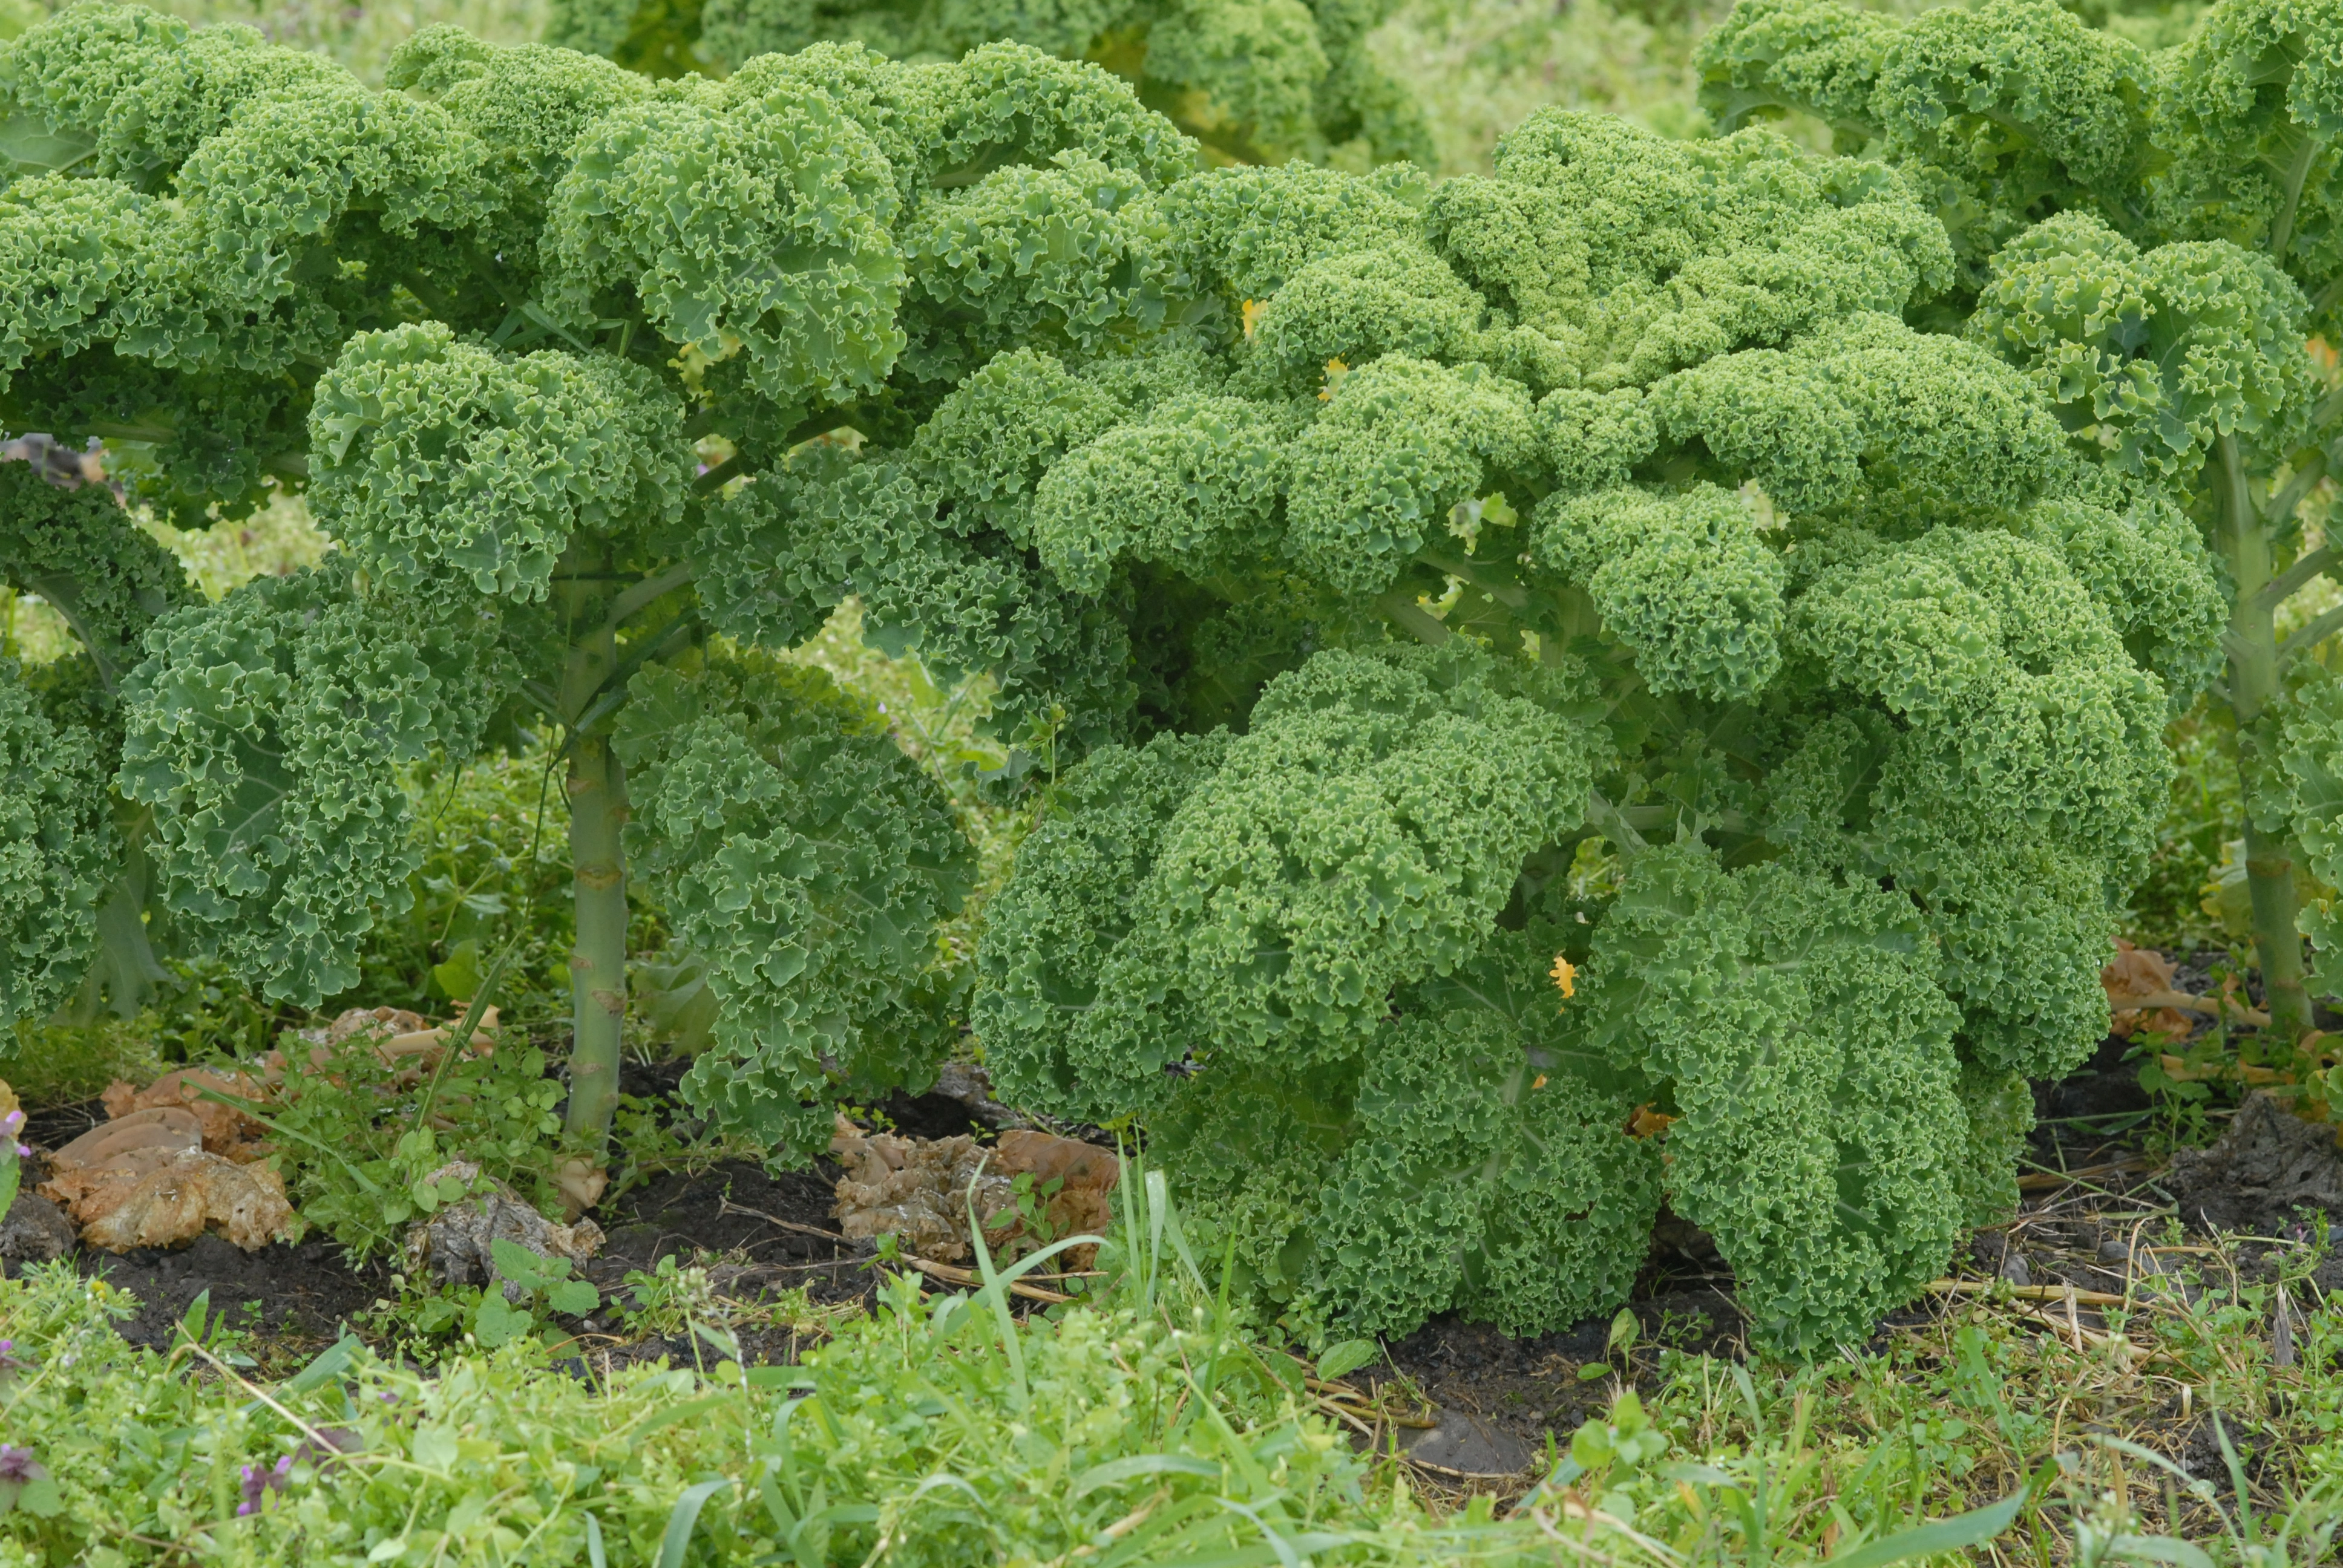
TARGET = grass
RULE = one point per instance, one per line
(2166, 1424)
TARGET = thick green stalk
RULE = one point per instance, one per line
(598, 963)
(597, 788)
(2253, 685)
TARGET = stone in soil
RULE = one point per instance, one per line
(34, 1232)
(1473, 1446)
(456, 1245)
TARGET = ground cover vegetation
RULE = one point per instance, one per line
(1139, 1426)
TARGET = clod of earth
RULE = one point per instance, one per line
(918, 1191)
(35, 1231)
(145, 1180)
(457, 1244)
(2268, 1165)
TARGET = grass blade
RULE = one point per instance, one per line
(683, 1519)
(1962, 1531)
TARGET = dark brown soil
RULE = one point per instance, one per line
(762, 1235)
(300, 1295)
(2269, 1170)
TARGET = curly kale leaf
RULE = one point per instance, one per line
(805, 860)
(433, 458)
(1869, 419)
(1005, 103)
(133, 92)
(2151, 355)
(1685, 582)
(2150, 571)
(1489, 1171)
(1364, 831)
(1066, 259)
(1401, 442)
(1256, 66)
(994, 435)
(90, 261)
(2251, 104)
(827, 526)
(751, 226)
(1819, 1134)
(2000, 114)
(1193, 483)
(301, 182)
(1070, 1003)
(267, 731)
(2020, 99)
(82, 553)
(2302, 793)
(2020, 922)
(59, 850)
(2023, 704)
(1359, 305)
(1817, 56)
(527, 106)
(1241, 233)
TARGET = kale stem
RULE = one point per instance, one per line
(2254, 667)
(598, 963)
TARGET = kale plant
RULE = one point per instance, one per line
(1620, 708)
(1255, 81)
(493, 324)
(1625, 680)
(2151, 238)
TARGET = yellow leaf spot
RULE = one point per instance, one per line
(1565, 975)
(1539, 1081)
(1253, 309)
(1335, 370)
(1647, 1122)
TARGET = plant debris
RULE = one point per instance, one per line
(1029, 1190)
(2139, 983)
(145, 1180)
(226, 1130)
(399, 1035)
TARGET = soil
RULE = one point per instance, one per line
(766, 1234)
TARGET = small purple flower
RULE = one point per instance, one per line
(8, 1361)
(259, 1483)
(23, 1151)
(18, 1467)
(12, 1123)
